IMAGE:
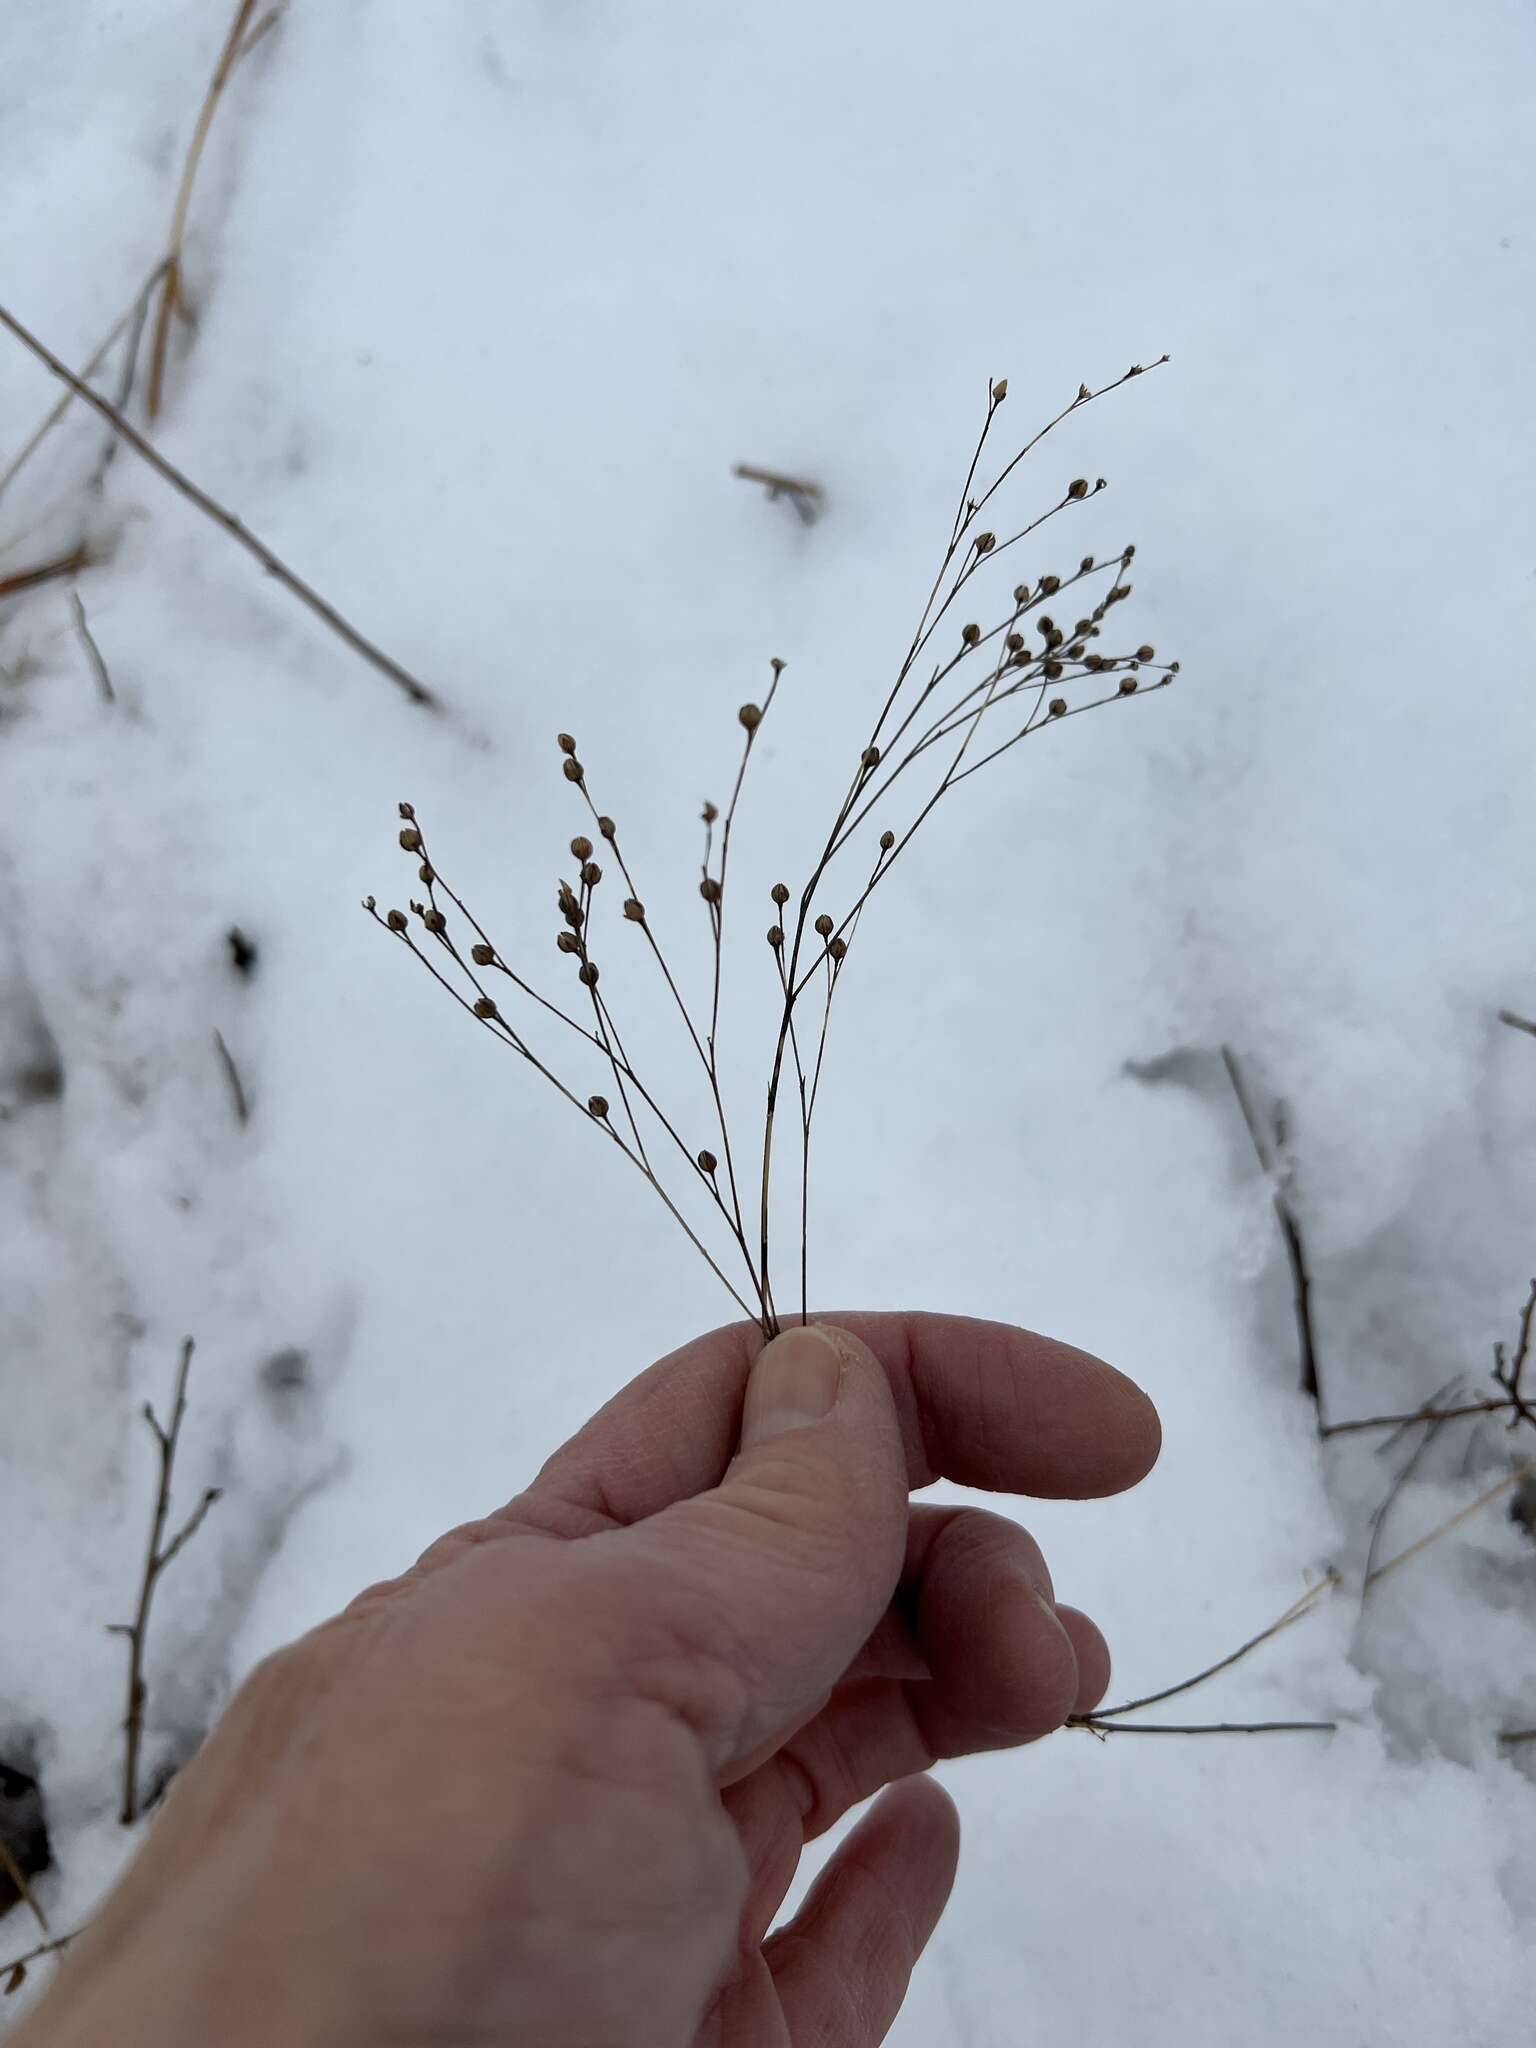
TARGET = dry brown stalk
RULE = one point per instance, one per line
(158, 1557)
(128, 323)
(1503, 1486)
(234, 527)
(1293, 1613)
(24, 1891)
(1508, 1373)
(919, 750)
(805, 496)
(44, 572)
(1270, 1151)
(1517, 1023)
(14, 1973)
(171, 299)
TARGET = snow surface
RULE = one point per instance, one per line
(490, 298)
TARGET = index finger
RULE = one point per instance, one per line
(985, 1404)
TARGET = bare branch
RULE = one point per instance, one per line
(234, 527)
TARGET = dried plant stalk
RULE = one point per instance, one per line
(964, 695)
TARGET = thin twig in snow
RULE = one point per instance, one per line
(44, 572)
(171, 300)
(1290, 1231)
(159, 1555)
(92, 651)
(234, 527)
(232, 1075)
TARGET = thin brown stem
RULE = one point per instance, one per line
(1290, 1232)
(1511, 1479)
(1097, 1726)
(179, 481)
(133, 318)
(1293, 1613)
(157, 1557)
(171, 301)
(1517, 1023)
(21, 580)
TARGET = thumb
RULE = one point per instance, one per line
(769, 1583)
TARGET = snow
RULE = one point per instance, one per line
(489, 300)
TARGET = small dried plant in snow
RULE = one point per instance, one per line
(964, 696)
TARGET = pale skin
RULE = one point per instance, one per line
(552, 1785)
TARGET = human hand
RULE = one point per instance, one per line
(552, 1785)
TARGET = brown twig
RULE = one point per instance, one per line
(159, 1555)
(805, 496)
(232, 1075)
(1517, 1023)
(92, 651)
(1514, 1735)
(24, 1891)
(1455, 1521)
(1096, 1726)
(15, 1971)
(238, 532)
(44, 572)
(1507, 1374)
(1293, 1613)
(132, 319)
(1290, 1230)
(171, 301)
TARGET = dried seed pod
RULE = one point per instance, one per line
(434, 920)
(999, 390)
(887, 841)
(985, 543)
(824, 925)
(1014, 642)
(1078, 488)
(571, 768)
(570, 909)
(370, 903)
(1053, 669)
(426, 874)
(1095, 662)
(607, 827)
(1085, 565)
(837, 948)
(581, 846)
(970, 635)
(775, 936)
(398, 921)
(410, 839)
(1075, 651)
(1128, 554)
(587, 972)
(1145, 653)
(870, 757)
(483, 955)
(779, 894)
(1119, 594)
(1127, 686)
(408, 810)
(1021, 593)
(485, 1008)
(568, 942)
(751, 716)
(634, 910)
(709, 812)
(1083, 626)
(1055, 637)
(708, 1161)
(565, 743)
(1049, 585)
(591, 873)
(598, 1105)
(1058, 707)
(709, 889)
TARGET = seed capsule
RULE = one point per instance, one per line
(598, 1104)
(708, 1161)
(483, 955)
(484, 1007)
